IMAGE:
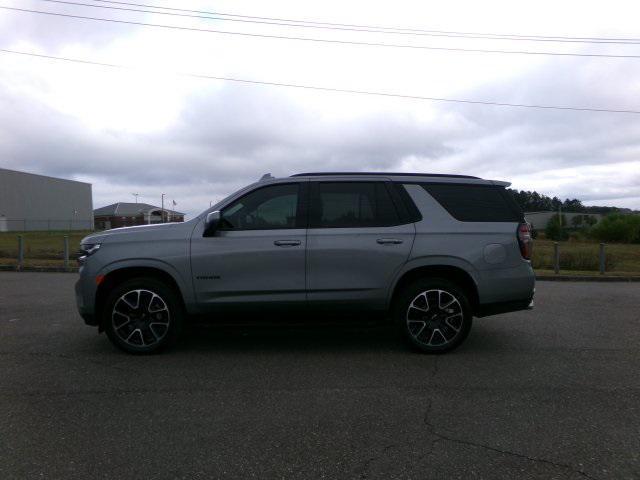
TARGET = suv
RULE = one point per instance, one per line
(428, 251)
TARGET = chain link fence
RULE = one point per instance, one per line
(44, 224)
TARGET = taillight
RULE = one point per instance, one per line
(525, 240)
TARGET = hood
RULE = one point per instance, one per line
(137, 230)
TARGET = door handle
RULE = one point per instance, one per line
(389, 241)
(287, 243)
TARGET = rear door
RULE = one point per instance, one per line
(256, 258)
(356, 242)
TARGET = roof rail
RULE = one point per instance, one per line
(403, 174)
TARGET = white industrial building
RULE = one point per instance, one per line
(31, 202)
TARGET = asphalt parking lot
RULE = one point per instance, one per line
(551, 393)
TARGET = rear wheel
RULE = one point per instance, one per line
(142, 315)
(433, 315)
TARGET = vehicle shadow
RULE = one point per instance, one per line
(333, 338)
(279, 338)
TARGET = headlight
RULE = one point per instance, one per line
(87, 249)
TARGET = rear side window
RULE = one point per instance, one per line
(352, 205)
(475, 203)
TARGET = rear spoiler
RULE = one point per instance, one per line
(500, 183)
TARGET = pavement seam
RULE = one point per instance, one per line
(440, 437)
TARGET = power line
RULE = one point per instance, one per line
(378, 27)
(322, 40)
(200, 14)
(331, 89)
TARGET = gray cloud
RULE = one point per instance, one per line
(226, 137)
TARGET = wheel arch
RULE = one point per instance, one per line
(455, 273)
(124, 273)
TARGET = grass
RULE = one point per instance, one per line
(40, 248)
(46, 249)
(582, 256)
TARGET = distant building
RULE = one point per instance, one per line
(36, 202)
(539, 220)
(124, 214)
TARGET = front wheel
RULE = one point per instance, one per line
(433, 315)
(142, 315)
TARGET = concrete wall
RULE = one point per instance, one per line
(539, 220)
(36, 202)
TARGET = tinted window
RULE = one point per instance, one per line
(263, 209)
(353, 204)
(474, 203)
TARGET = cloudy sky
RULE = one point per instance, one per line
(150, 131)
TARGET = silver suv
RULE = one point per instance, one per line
(428, 251)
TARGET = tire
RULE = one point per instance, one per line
(427, 328)
(142, 316)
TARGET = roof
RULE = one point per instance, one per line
(386, 174)
(42, 176)
(129, 209)
(409, 177)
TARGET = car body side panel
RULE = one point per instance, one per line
(164, 247)
(500, 277)
(248, 267)
(349, 267)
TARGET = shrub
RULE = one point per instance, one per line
(576, 237)
(618, 228)
(555, 230)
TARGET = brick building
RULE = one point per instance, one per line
(124, 214)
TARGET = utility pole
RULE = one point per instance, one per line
(162, 208)
(136, 195)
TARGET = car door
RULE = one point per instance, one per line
(356, 243)
(256, 258)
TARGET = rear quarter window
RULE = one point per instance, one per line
(475, 203)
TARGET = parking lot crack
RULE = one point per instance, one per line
(365, 467)
(442, 437)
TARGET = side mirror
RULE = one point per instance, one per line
(211, 223)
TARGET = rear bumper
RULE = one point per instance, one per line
(503, 290)
(489, 309)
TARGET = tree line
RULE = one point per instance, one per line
(537, 202)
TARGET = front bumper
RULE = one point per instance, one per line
(85, 290)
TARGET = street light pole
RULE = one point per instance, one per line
(162, 208)
(136, 195)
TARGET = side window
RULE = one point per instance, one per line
(352, 205)
(475, 203)
(267, 208)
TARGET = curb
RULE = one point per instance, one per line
(25, 268)
(585, 278)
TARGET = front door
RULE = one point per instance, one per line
(257, 256)
(356, 244)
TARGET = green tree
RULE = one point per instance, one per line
(576, 221)
(555, 229)
(618, 228)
